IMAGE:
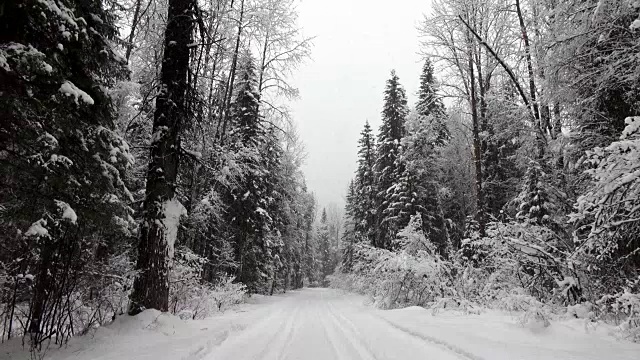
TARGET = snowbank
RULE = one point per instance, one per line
(495, 335)
(151, 335)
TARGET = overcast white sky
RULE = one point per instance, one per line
(358, 43)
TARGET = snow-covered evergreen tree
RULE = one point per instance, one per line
(364, 196)
(349, 235)
(250, 218)
(392, 130)
(325, 252)
(417, 187)
(245, 106)
(533, 201)
(608, 213)
(64, 203)
(430, 104)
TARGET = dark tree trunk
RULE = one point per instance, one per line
(532, 84)
(151, 286)
(134, 25)
(232, 76)
(477, 153)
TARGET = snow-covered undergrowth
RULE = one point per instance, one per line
(414, 276)
(102, 296)
(150, 334)
(396, 279)
(192, 298)
(516, 269)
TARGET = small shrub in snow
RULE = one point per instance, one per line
(192, 298)
(227, 293)
(625, 306)
(581, 311)
(535, 318)
(458, 304)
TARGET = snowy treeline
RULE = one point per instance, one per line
(148, 160)
(524, 193)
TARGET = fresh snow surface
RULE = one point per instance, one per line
(325, 324)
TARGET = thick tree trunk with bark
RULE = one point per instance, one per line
(151, 286)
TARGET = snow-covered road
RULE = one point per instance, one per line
(314, 324)
(324, 324)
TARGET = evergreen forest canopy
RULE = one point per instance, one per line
(148, 159)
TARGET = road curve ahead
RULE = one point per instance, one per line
(324, 324)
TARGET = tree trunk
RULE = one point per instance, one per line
(151, 286)
(134, 24)
(477, 154)
(532, 83)
(232, 76)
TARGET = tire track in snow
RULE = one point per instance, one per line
(258, 350)
(423, 344)
(356, 337)
(331, 338)
(434, 341)
(277, 346)
(348, 338)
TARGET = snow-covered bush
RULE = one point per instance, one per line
(581, 311)
(226, 292)
(625, 307)
(535, 318)
(192, 298)
(457, 304)
(608, 214)
(518, 255)
(99, 293)
(414, 275)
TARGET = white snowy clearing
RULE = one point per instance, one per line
(328, 324)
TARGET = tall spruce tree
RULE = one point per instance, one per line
(324, 248)
(392, 130)
(430, 104)
(349, 236)
(248, 218)
(417, 182)
(245, 106)
(364, 187)
(415, 191)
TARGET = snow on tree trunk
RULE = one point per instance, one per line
(172, 210)
(161, 208)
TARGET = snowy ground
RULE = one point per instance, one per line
(328, 324)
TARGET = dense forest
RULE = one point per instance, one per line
(149, 159)
(523, 192)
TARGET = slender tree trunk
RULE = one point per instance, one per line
(151, 286)
(532, 83)
(263, 62)
(134, 24)
(232, 76)
(477, 154)
(545, 109)
(557, 119)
